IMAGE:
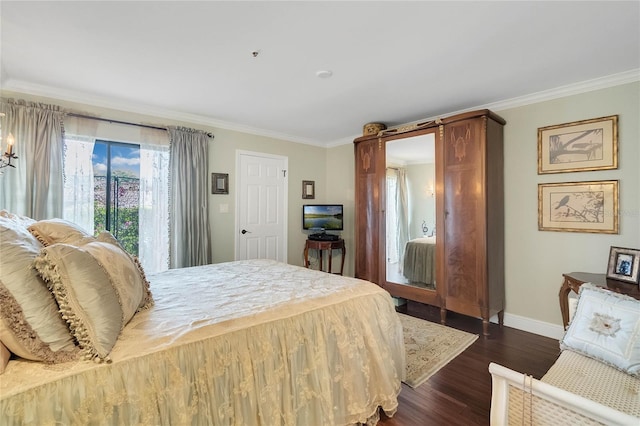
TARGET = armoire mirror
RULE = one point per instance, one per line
(411, 211)
(410, 216)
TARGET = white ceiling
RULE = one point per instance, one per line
(392, 62)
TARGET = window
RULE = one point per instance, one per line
(116, 180)
(122, 188)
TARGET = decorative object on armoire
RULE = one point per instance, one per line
(219, 183)
(624, 265)
(579, 146)
(579, 206)
(470, 243)
(308, 189)
(373, 128)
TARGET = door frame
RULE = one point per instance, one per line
(285, 200)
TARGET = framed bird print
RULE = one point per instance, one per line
(579, 206)
(579, 146)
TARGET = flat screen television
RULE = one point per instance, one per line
(325, 217)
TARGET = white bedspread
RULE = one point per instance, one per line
(239, 343)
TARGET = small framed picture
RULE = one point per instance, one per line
(624, 264)
(219, 183)
(308, 189)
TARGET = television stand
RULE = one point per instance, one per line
(325, 245)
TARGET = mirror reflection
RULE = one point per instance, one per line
(411, 211)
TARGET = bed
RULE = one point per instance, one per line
(253, 342)
(419, 261)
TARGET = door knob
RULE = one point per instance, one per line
(244, 231)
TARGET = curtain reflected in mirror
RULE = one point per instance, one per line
(411, 211)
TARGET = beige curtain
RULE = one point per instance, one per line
(34, 187)
(402, 209)
(189, 231)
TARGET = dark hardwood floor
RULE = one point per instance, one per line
(460, 393)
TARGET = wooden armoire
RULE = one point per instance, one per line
(469, 214)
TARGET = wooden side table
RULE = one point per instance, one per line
(573, 281)
(325, 245)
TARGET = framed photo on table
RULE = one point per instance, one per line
(624, 264)
(579, 206)
(579, 146)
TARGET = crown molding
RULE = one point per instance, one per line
(626, 77)
(13, 85)
(619, 79)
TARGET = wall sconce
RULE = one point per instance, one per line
(8, 155)
(429, 190)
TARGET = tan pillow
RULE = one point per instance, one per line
(107, 237)
(5, 355)
(30, 324)
(51, 231)
(99, 289)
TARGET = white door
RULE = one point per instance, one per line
(261, 206)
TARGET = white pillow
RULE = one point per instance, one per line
(606, 327)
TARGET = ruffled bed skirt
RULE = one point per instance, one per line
(333, 365)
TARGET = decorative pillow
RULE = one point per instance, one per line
(30, 324)
(98, 288)
(22, 221)
(147, 302)
(53, 231)
(606, 326)
(5, 355)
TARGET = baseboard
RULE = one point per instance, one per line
(529, 325)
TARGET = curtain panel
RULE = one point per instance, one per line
(153, 208)
(189, 230)
(34, 187)
(402, 209)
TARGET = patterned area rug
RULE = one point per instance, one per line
(430, 346)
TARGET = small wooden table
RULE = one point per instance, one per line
(325, 245)
(573, 281)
